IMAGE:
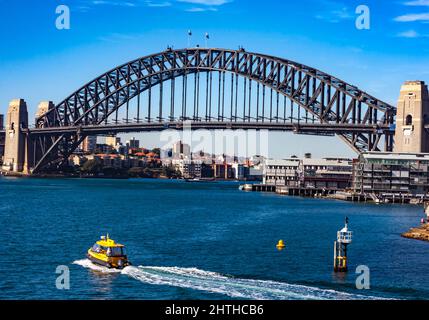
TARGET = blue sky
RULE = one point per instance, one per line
(39, 62)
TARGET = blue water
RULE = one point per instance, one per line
(199, 241)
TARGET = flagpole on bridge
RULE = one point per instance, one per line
(189, 37)
(207, 37)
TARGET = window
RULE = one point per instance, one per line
(96, 248)
(115, 252)
(409, 120)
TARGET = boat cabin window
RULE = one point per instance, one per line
(110, 251)
(96, 248)
(116, 252)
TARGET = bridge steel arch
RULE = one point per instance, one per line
(361, 120)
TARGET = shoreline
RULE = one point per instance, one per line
(340, 195)
(419, 233)
(110, 177)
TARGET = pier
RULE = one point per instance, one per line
(337, 194)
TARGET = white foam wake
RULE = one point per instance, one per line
(86, 263)
(233, 287)
(196, 279)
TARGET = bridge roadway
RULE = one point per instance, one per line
(302, 128)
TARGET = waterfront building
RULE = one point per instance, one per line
(188, 168)
(113, 141)
(330, 174)
(103, 148)
(392, 174)
(281, 172)
(257, 160)
(181, 151)
(116, 161)
(255, 173)
(166, 154)
(121, 149)
(240, 171)
(108, 160)
(89, 144)
(133, 143)
(206, 158)
(135, 162)
(222, 171)
(207, 171)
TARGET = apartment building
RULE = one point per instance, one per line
(394, 173)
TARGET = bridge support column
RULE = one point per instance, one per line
(412, 119)
(16, 140)
(37, 144)
(43, 108)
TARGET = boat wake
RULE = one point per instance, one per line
(86, 263)
(196, 279)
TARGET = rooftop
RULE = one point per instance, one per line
(415, 82)
(284, 162)
(395, 156)
(326, 162)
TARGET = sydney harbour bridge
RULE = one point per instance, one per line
(207, 89)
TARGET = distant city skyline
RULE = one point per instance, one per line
(40, 62)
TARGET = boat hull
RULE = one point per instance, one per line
(111, 265)
(98, 262)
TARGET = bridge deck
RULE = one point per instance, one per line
(200, 125)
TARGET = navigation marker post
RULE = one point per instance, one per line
(344, 238)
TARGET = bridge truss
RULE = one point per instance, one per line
(213, 89)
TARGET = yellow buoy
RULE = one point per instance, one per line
(281, 245)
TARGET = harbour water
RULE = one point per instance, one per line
(200, 241)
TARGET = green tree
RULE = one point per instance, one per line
(92, 167)
(136, 172)
(110, 171)
(157, 151)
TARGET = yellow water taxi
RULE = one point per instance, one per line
(106, 252)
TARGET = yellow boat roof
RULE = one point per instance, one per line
(109, 243)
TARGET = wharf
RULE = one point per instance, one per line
(338, 194)
(291, 191)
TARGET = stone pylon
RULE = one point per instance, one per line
(43, 108)
(16, 143)
(412, 119)
(37, 154)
